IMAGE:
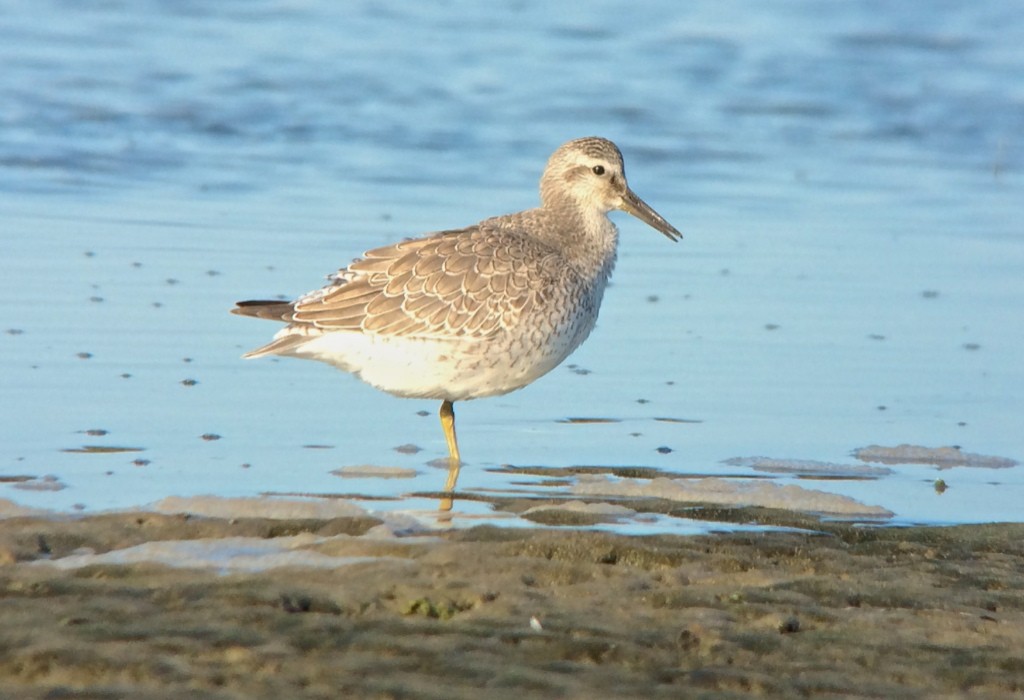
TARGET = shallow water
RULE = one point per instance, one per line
(848, 179)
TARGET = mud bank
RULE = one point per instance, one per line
(845, 611)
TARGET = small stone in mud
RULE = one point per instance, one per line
(789, 626)
(688, 640)
(664, 450)
(295, 604)
(210, 436)
(95, 432)
(189, 382)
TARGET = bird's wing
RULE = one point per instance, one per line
(469, 283)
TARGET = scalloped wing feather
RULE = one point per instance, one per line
(469, 283)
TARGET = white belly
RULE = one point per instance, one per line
(456, 370)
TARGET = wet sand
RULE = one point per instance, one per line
(499, 613)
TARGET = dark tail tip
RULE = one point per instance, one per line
(271, 310)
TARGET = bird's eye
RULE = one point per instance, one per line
(598, 169)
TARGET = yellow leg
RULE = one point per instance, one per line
(448, 424)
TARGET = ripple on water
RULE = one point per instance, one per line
(850, 273)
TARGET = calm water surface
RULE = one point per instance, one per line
(848, 178)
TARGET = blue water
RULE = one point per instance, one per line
(848, 177)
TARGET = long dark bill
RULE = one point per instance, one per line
(631, 204)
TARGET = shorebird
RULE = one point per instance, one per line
(478, 311)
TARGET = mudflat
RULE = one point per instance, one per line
(843, 611)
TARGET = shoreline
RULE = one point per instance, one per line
(845, 611)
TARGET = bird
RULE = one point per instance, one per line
(474, 312)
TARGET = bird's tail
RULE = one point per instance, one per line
(269, 310)
(283, 343)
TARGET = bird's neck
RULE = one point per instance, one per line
(587, 239)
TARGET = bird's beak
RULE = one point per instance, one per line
(631, 204)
